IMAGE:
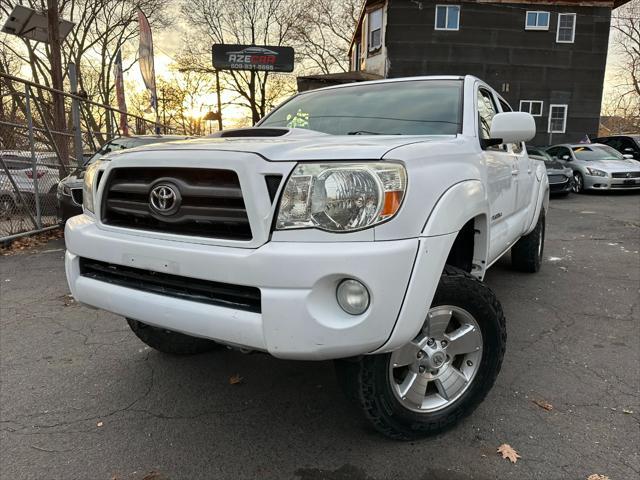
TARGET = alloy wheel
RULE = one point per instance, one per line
(577, 183)
(438, 366)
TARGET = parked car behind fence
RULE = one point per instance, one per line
(69, 192)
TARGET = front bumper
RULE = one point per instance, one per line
(563, 186)
(608, 183)
(299, 317)
(67, 208)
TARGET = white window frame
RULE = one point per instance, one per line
(446, 18)
(573, 30)
(531, 102)
(537, 26)
(564, 123)
(370, 47)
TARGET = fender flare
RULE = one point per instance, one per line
(462, 202)
(540, 198)
(455, 207)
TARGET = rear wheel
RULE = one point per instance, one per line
(526, 254)
(168, 341)
(443, 374)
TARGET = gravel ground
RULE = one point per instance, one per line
(82, 398)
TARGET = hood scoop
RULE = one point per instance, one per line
(252, 132)
(265, 132)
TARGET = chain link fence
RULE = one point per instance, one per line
(34, 157)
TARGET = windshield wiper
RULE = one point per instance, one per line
(367, 132)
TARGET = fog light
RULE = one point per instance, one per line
(353, 297)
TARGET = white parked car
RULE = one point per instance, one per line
(362, 235)
(19, 165)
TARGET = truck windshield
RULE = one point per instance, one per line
(415, 107)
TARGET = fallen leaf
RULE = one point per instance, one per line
(596, 476)
(68, 300)
(236, 379)
(507, 451)
(99, 424)
(542, 404)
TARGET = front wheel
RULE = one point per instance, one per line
(578, 182)
(443, 374)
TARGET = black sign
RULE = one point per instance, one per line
(253, 57)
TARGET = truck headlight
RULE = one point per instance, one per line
(341, 197)
(596, 173)
(88, 186)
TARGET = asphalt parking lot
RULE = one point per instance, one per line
(82, 398)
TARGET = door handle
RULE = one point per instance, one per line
(514, 172)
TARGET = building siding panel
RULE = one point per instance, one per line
(492, 43)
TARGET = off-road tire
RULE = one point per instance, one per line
(366, 381)
(167, 341)
(526, 254)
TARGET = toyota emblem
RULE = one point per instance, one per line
(628, 174)
(164, 199)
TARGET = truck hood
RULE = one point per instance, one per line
(295, 144)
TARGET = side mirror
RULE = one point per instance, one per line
(513, 127)
(629, 150)
(566, 158)
(628, 156)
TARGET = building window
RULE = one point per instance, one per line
(566, 28)
(537, 20)
(447, 17)
(534, 107)
(375, 29)
(558, 118)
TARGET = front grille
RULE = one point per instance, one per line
(557, 178)
(203, 291)
(210, 202)
(626, 175)
(628, 185)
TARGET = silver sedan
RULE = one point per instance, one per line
(598, 167)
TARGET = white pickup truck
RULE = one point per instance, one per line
(353, 223)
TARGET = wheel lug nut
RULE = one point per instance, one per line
(420, 354)
(431, 342)
(469, 363)
(421, 369)
(443, 343)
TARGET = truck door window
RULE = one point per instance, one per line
(486, 111)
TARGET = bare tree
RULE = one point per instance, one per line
(247, 22)
(623, 103)
(102, 27)
(324, 35)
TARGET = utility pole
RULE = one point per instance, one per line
(59, 121)
(219, 100)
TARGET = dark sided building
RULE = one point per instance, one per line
(545, 57)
